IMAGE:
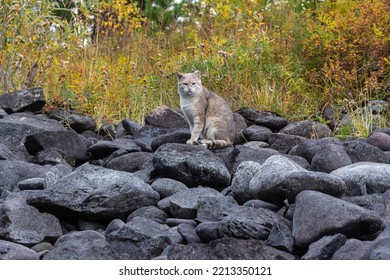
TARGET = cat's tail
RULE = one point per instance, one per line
(215, 144)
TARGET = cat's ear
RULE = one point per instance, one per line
(179, 75)
(197, 74)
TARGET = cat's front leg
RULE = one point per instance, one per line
(196, 131)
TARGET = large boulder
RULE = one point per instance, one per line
(359, 150)
(31, 100)
(166, 117)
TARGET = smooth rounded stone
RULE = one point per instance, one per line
(41, 247)
(283, 143)
(185, 204)
(174, 137)
(280, 237)
(329, 158)
(273, 122)
(31, 99)
(165, 117)
(256, 203)
(353, 249)
(240, 183)
(324, 248)
(173, 222)
(375, 202)
(131, 127)
(364, 178)
(245, 222)
(13, 251)
(105, 148)
(83, 245)
(279, 179)
(380, 140)
(359, 150)
(256, 133)
(240, 125)
(227, 249)
(143, 239)
(32, 184)
(192, 165)
(380, 248)
(251, 115)
(256, 145)
(318, 214)
(214, 208)
(25, 170)
(113, 226)
(69, 142)
(208, 231)
(188, 232)
(309, 148)
(94, 193)
(308, 129)
(78, 123)
(167, 187)
(130, 162)
(149, 212)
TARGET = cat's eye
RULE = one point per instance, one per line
(186, 84)
(193, 84)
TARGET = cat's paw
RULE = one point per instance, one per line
(192, 142)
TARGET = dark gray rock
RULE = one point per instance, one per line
(167, 187)
(256, 145)
(329, 158)
(9, 153)
(3, 113)
(131, 127)
(283, 143)
(53, 156)
(174, 222)
(279, 179)
(149, 212)
(173, 137)
(83, 245)
(114, 226)
(143, 239)
(105, 148)
(240, 125)
(56, 173)
(324, 248)
(353, 249)
(32, 184)
(377, 106)
(308, 129)
(77, 122)
(309, 148)
(94, 193)
(256, 203)
(188, 233)
(318, 214)
(130, 162)
(275, 123)
(380, 248)
(280, 237)
(191, 165)
(13, 251)
(359, 150)
(31, 100)
(251, 115)
(12, 172)
(240, 183)
(249, 223)
(380, 140)
(375, 202)
(166, 117)
(364, 178)
(227, 249)
(69, 142)
(214, 208)
(256, 133)
(208, 231)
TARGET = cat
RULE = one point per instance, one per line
(208, 115)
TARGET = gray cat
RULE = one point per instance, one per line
(207, 114)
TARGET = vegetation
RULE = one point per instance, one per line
(117, 58)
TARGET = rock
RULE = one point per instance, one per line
(251, 115)
(32, 184)
(56, 173)
(364, 178)
(214, 208)
(257, 133)
(380, 248)
(105, 148)
(280, 237)
(380, 140)
(188, 233)
(324, 248)
(90, 225)
(149, 212)
(83, 245)
(249, 223)
(173, 137)
(174, 222)
(69, 142)
(185, 204)
(78, 123)
(283, 143)
(31, 100)
(307, 129)
(12, 172)
(309, 148)
(130, 162)
(53, 156)
(240, 183)
(227, 249)
(362, 151)
(240, 125)
(318, 214)
(3, 113)
(256, 203)
(94, 193)
(166, 117)
(13, 251)
(377, 106)
(279, 179)
(208, 231)
(167, 187)
(131, 127)
(374, 202)
(9, 153)
(256, 145)
(330, 158)
(353, 249)
(191, 165)
(143, 239)
(275, 123)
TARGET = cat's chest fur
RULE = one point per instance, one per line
(188, 106)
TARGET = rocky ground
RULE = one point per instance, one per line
(286, 190)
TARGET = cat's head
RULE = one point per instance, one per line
(190, 83)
